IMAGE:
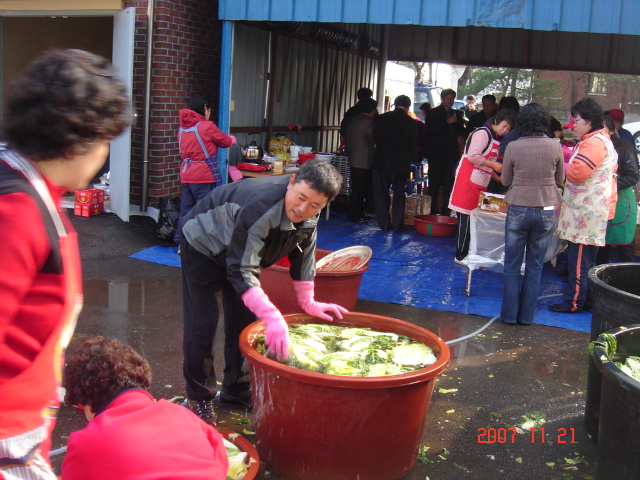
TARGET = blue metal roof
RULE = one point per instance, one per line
(586, 16)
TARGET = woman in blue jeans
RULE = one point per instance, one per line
(533, 170)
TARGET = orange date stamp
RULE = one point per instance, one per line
(537, 435)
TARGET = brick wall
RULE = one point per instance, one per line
(186, 61)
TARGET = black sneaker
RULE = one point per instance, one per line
(560, 308)
(203, 409)
(240, 397)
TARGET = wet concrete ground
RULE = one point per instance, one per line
(493, 384)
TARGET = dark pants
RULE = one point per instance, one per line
(382, 180)
(191, 193)
(361, 192)
(202, 279)
(441, 174)
(580, 259)
(626, 253)
(463, 236)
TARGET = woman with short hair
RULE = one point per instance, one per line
(590, 195)
(130, 435)
(59, 118)
(473, 175)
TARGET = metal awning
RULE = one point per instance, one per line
(587, 35)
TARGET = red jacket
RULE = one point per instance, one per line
(196, 171)
(40, 297)
(138, 438)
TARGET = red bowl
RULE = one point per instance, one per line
(246, 446)
(304, 157)
(435, 225)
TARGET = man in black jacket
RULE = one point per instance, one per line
(445, 134)
(396, 138)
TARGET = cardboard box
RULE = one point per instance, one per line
(492, 202)
(90, 196)
(278, 166)
(88, 209)
(415, 204)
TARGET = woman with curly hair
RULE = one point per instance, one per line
(590, 196)
(131, 436)
(59, 118)
(532, 170)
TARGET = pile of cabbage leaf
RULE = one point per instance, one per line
(238, 466)
(630, 365)
(349, 351)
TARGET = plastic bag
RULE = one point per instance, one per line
(168, 218)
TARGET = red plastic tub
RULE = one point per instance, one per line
(253, 459)
(312, 426)
(435, 225)
(330, 287)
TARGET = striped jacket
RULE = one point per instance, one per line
(243, 226)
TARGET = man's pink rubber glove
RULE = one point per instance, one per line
(277, 333)
(304, 293)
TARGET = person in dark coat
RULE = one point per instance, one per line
(445, 135)
(396, 138)
(362, 94)
(360, 147)
(480, 119)
(622, 229)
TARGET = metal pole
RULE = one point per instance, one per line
(383, 67)
(151, 6)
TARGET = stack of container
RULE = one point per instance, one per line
(89, 202)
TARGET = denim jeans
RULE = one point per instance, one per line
(526, 228)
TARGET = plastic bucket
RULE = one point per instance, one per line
(616, 303)
(330, 287)
(314, 426)
(619, 428)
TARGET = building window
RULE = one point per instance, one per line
(598, 85)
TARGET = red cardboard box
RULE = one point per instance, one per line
(90, 195)
(88, 210)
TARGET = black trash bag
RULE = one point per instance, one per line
(168, 218)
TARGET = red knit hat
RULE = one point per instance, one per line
(570, 125)
(616, 114)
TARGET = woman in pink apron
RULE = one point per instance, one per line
(474, 173)
(58, 121)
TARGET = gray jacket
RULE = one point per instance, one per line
(533, 170)
(243, 226)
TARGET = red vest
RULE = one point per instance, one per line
(471, 180)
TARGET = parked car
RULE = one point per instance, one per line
(634, 128)
(424, 93)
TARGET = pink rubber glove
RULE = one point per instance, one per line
(304, 293)
(277, 333)
(233, 140)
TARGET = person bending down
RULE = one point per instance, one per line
(130, 435)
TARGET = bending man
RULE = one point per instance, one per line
(226, 238)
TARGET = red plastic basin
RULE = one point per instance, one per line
(305, 157)
(312, 426)
(330, 287)
(246, 446)
(435, 225)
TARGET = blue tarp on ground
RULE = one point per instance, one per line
(415, 270)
